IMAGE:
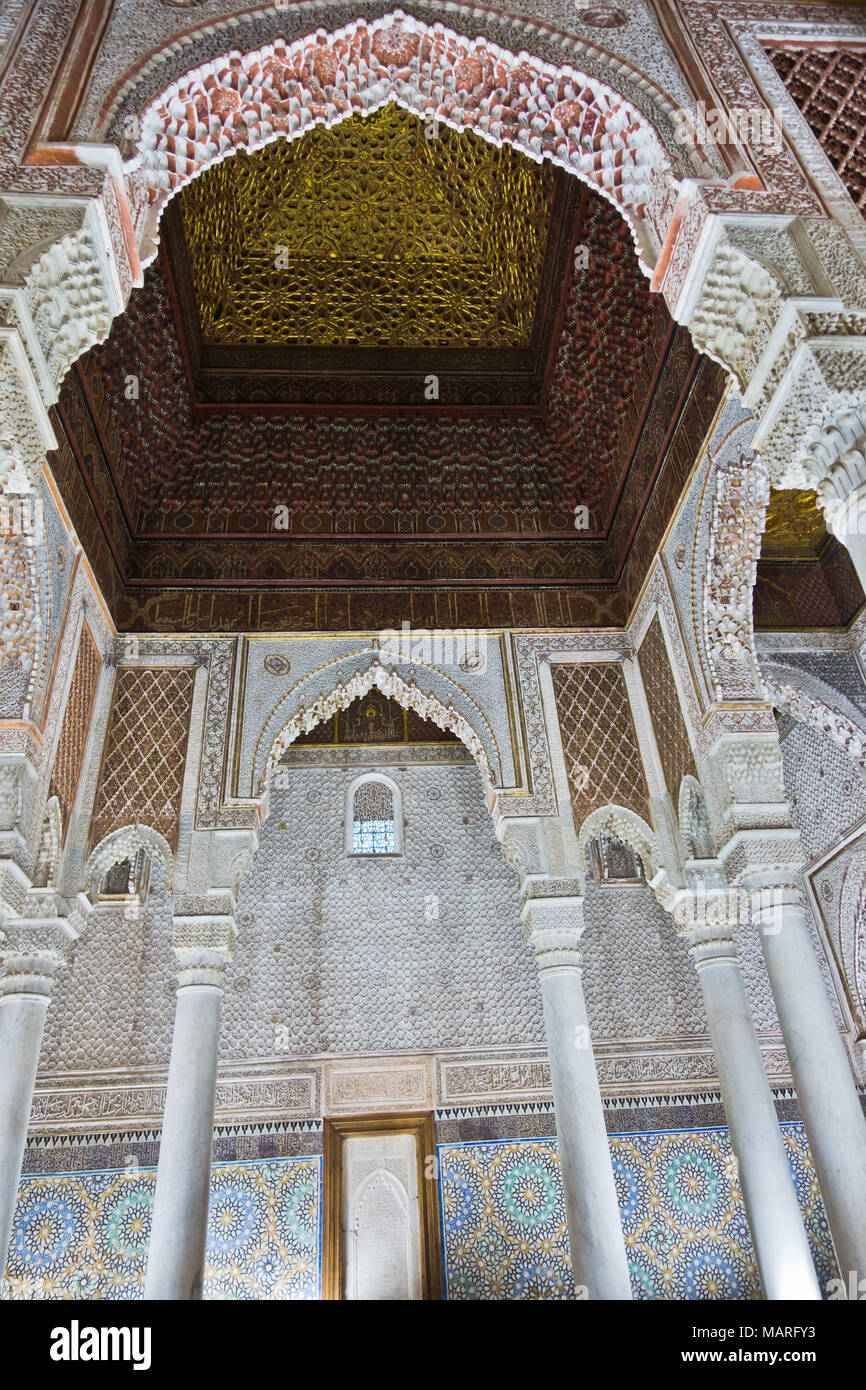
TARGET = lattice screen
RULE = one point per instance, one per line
(599, 739)
(76, 723)
(664, 702)
(829, 86)
(373, 819)
(141, 777)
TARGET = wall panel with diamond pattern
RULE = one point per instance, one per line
(598, 738)
(671, 734)
(76, 723)
(829, 86)
(141, 777)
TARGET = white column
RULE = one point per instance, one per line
(822, 1072)
(846, 510)
(175, 1263)
(32, 951)
(554, 926)
(705, 919)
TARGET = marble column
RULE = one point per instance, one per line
(175, 1263)
(820, 1066)
(706, 919)
(554, 925)
(32, 951)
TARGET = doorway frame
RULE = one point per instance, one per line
(335, 1132)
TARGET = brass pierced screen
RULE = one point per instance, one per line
(829, 86)
(76, 723)
(370, 234)
(671, 734)
(599, 740)
(141, 777)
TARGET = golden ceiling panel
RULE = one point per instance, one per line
(795, 528)
(370, 234)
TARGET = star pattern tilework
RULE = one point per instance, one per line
(686, 1233)
(85, 1235)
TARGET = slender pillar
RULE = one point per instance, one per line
(175, 1264)
(705, 920)
(554, 926)
(32, 951)
(822, 1072)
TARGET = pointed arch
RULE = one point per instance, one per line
(406, 693)
(123, 844)
(281, 90)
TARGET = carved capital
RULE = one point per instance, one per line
(764, 857)
(769, 892)
(203, 943)
(554, 925)
(705, 919)
(33, 949)
(72, 293)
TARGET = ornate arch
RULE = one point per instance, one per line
(694, 819)
(406, 693)
(123, 844)
(625, 825)
(50, 842)
(281, 90)
(810, 701)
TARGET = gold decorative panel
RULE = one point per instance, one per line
(76, 723)
(795, 528)
(668, 723)
(599, 740)
(370, 234)
(141, 777)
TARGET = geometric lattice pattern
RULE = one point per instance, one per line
(829, 86)
(685, 1226)
(598, 738)
(86, 1235)
(76, 723)
(389, 238)
(665, 711)
(373, 819)
(141, 777)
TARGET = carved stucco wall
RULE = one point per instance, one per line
(337, 955)
(827, 789)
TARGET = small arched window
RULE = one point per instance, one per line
(126, 880)
(614, 861)
(374, 823)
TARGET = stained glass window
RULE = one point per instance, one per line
(373, 828)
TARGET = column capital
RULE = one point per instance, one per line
(705, 919)
(765, 856)
(770, 891)
(33, 948)
(553, 921)
(204, 935)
